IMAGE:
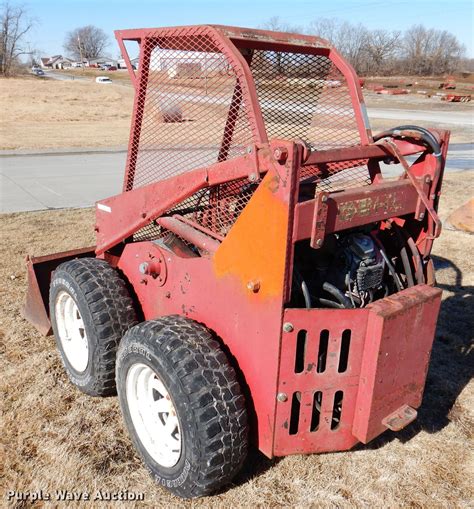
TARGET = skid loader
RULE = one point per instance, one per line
(265, 276)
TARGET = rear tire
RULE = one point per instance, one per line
(90, 310)
(194, 439)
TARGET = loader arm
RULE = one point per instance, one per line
(120, 216)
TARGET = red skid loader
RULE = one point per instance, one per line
(260, 279)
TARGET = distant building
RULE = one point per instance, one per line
(97, 62)
(55, 62)
(121, 64)
(186, 64)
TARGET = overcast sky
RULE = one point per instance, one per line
(55, 17)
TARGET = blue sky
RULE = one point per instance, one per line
(55, 18)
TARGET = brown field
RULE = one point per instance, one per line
(44, 113)
(54, 437)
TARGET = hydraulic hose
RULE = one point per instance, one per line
(304, 288)
(306, 294)
(426, 136)
(404, 257)
(420, 277)
(429, 139)
(330, 304)
(337, 294)
(391, 268)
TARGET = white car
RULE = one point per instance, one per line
(103, 79)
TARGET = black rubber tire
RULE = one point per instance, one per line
(206, 394)
(108, 312)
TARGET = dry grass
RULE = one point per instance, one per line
(40, 113)
(54, 437)
(44, 113)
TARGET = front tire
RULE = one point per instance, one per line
(182, 405)
(90, 311)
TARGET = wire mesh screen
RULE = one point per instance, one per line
(306, 97)
(214, 210)
(337, 176)
(186, 98)
(191, 112)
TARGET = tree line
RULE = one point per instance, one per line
(417, 51)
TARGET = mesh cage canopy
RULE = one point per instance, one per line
(185, 99)
(206, 94)
(304, 97)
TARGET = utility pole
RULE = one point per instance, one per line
(80, 53)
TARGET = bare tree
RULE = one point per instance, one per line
(431, 51)
(275, 23)
(350, 40)
(382, 47)
(276, 60)
(419, 50)
(15, 24)
(86, 42)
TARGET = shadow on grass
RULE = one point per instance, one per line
(452, 364)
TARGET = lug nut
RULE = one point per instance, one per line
(282, 397)
(280, 154)
(288, 327)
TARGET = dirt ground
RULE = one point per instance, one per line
(54, 437)
(45, 113)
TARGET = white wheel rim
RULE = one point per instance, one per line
(153, 415)
(72, 332)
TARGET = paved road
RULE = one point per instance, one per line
(424, 117)
(35, 182)
(56, 181)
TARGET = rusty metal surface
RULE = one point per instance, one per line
(400, 332)
(354, 207)
(313, 430)
(219, 187)
(238, 291)
(208, 95)
(352, 392)
(399, 419)
(39, 269)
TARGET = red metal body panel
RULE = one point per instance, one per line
(215, 289)
(384, 369)
(355, 207)
(328, 381)
(400, 333)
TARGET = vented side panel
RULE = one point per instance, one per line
(319, 375)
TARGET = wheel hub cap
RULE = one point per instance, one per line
(72, 332)
(153, 415)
